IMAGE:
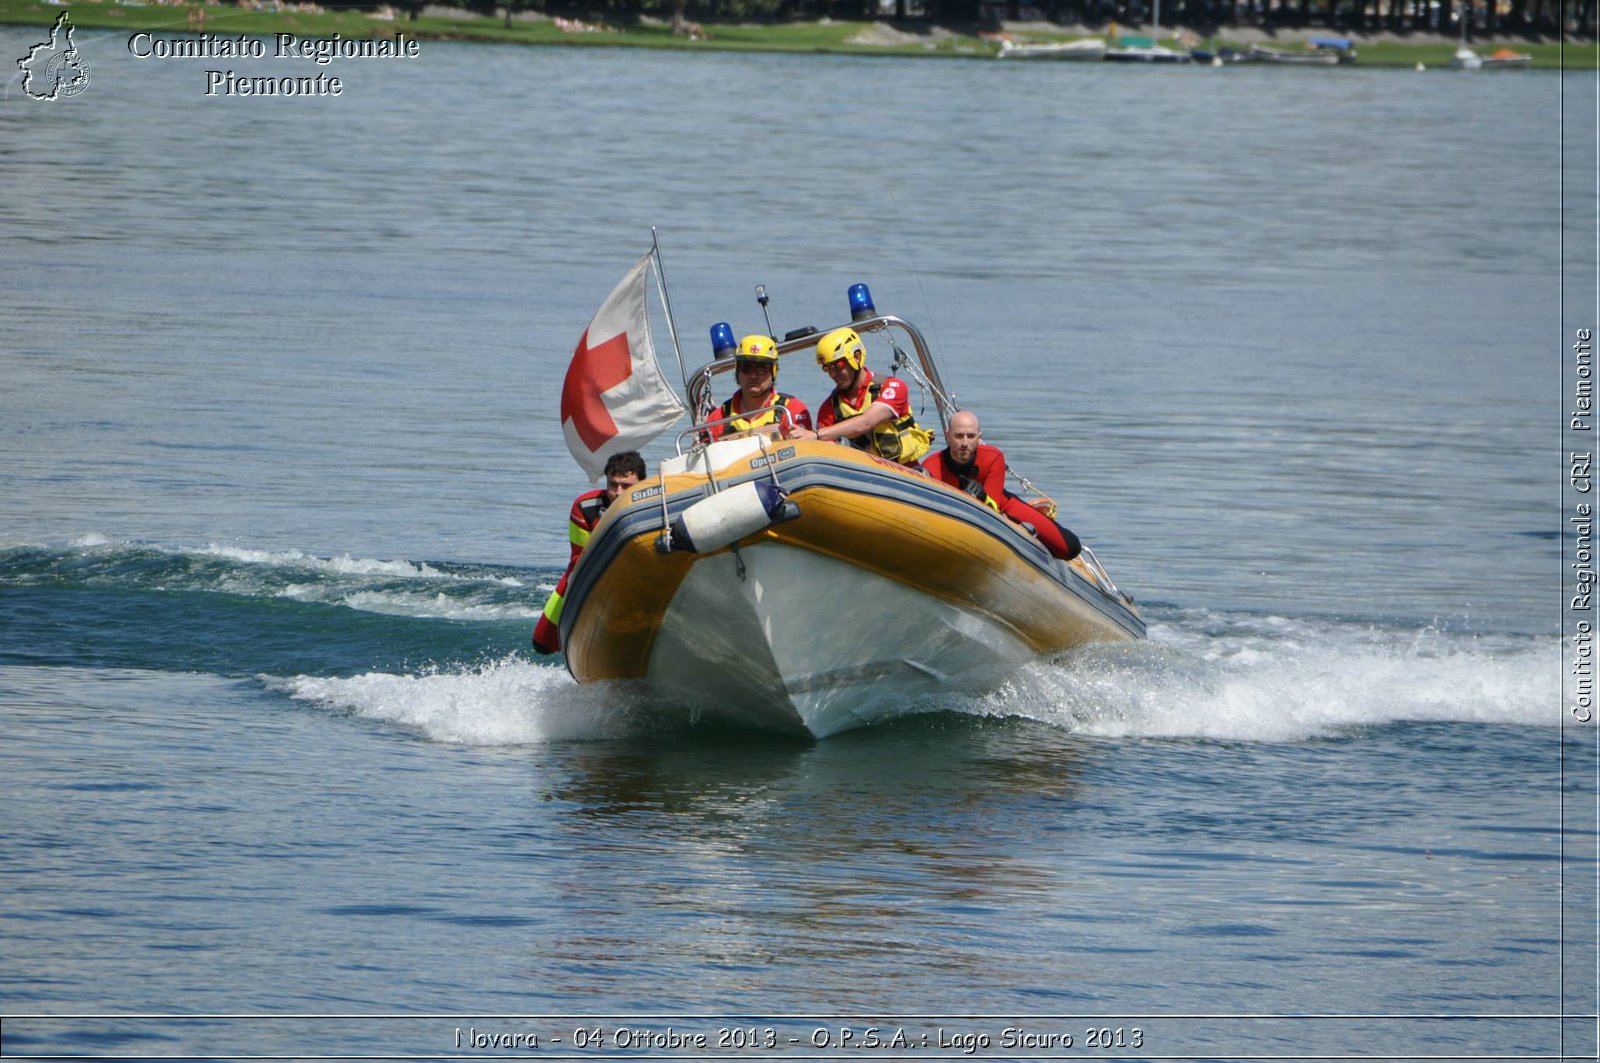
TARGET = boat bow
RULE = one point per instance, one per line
(881, 587)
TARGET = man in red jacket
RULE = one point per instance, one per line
(756, 369)
(971, 465)
(623, 470)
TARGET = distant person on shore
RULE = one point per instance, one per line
(755, 367)
(971, 465)
(623, 470)
(870, 415)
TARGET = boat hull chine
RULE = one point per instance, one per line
(788, 639)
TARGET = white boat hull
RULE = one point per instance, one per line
(784, 639)
(1153, 54)
(1258, 54)
(1057, 51)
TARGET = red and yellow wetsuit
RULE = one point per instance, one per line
(987, 473)
(587, 509)
(898, 439)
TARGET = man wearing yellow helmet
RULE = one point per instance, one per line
(755, 367)
(872, 415)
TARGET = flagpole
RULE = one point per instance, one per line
(666, 303)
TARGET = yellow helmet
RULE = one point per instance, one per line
(758, 348)
(842, 343)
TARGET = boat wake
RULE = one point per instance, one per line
(439, 649)
(446, 590)
(1261, 678)
(1247, 678)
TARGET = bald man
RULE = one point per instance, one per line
(971, 465)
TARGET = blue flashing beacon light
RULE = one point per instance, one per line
(722, 342)
(861, 306)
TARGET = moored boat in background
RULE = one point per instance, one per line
(1499, 59)
(1148, 51)
(1506, 59)
(1323, 51)
(1091, 49)
(1466, 58)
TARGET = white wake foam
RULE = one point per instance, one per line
(1273, 679)
(370, 585)
(343, 564)
(509, 702)
(414, 603)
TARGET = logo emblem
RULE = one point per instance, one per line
(54, 68)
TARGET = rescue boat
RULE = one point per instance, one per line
(808, 587)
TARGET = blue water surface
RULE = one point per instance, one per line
(284, 492)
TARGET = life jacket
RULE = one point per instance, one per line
(901, 439)
(744, 424)
(587, 511)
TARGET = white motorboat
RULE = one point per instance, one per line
(1090, 50)
(1147, 53)
(1323, 51)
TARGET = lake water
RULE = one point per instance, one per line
(283, 493)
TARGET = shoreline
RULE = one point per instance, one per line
(1381, 49)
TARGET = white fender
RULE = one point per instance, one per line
(730, 515)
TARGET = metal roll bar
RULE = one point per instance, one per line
(699, 386)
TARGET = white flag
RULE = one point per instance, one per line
(615, 397)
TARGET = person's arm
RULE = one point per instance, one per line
(546, 637)
(859, 425)
(577, 533)
(799, 415)
(547, 632)
(862, 423)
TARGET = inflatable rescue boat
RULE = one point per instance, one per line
(809, 587)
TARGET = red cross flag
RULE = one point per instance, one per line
(615, 397)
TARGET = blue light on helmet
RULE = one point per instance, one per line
(861, 303)
(722, 342)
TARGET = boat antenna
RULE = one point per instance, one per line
(761, 297)
(666, 304)
(911, 260)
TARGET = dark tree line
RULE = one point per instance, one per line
(1484, 17)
